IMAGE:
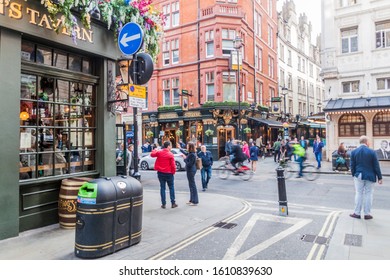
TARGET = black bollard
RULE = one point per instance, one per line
(283, 209)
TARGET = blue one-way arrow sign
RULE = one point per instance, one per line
(130, 38)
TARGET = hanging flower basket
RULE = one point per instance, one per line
(247, 130)
(115, 13)
(149, 134)
(209, 132)
(179, 132)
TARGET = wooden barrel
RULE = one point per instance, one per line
(68, 199)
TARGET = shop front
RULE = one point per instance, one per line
(347, 121)
(54, 109)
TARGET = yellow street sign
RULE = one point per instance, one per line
(137, 91)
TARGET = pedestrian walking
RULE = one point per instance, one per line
(365, 171)
(166, 169)
(341, 155)
(276, 147)
(254, 156)
(245, 149)
(207, 163)
(130, 160)
(317, 150)
(190, 161)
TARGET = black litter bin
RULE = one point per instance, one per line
(341, 166)
(108, 217)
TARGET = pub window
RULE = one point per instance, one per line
(57, 116)
(381, 124)
(352, 125)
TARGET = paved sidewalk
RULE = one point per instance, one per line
(352, 239)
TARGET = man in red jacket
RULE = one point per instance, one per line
(166, 168)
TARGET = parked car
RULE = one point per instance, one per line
(147, 162)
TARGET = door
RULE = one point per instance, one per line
(224, 134)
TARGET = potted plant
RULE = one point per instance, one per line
(247, 130)
(149, 134)
(209, 132)
(179, 133)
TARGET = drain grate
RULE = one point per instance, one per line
(353, 240)
(314, 239)
(225, 225)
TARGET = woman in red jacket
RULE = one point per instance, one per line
(166, 168)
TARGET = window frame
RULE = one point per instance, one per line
(352, 125)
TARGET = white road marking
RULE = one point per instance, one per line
(231, 253)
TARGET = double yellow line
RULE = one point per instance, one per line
(181, 245)
(317, 251)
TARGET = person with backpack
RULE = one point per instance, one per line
(254, 156)
(207, 163)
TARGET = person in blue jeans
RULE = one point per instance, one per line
(207, 162)
(317, 150)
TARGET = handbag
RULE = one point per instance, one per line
(198, 163)
(340, 160)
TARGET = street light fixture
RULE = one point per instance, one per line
(285, 123)
(237, 45)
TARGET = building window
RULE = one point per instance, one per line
(175, 13)
(166, 92)
(228, 35)
(258, 58)
(171, 92)
(210, 93)
(258, 24)
(383, 34)
(281, 52)
(271, 67)
(299, 86)
(349, 40)
(352, 125)
(383, 83)
(171, 12)
(272, 92)
(346, 3)
(229, 86)
(175, 51)
(289, 61)
(381, 124)
(270, 36)
(209, 39)
(281, 78)
(351, 87)
(166, 51)
(57, 115)
(289, 81)
(270, 7)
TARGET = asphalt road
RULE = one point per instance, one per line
(261, 233)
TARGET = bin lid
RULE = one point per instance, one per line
(87, 193)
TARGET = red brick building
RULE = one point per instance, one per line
(193, 72)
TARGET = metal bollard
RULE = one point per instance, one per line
(283, 209)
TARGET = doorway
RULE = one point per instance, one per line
(224, 134)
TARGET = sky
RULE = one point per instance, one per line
(312, 8)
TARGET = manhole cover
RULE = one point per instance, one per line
(314, 239)
(353, 240)
(225, 225)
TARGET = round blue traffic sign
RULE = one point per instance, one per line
(130, 38)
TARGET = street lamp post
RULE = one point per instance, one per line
(285, 120)
(237, 45)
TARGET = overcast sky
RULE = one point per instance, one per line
(312, 8)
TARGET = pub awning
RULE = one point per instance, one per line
(355, 104)
(270, 123)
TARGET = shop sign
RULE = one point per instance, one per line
(17, 11)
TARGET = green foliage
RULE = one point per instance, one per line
(243, 104)
(209, 132)
(247, 130)
(168, 108)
